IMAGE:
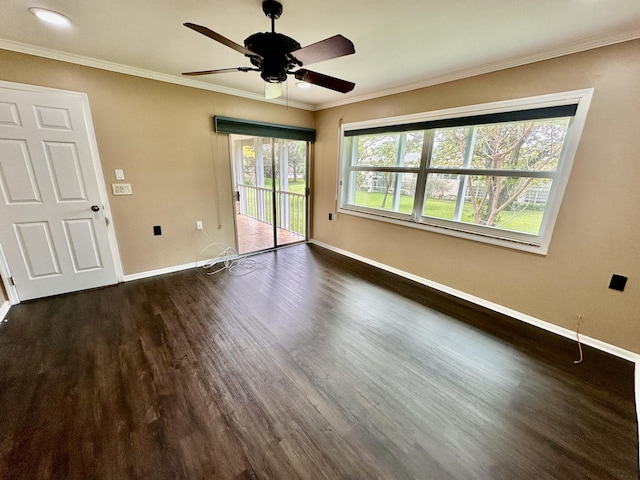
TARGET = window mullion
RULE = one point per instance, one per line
(397, 184)
(385, 169)
(463, 185)
(495, 173)
(421, 182)
(351, 178)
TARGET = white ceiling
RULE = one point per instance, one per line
(400, 44)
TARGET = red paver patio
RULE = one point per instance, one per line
(254, 235)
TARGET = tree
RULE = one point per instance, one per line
(248, 163)
(388, 150)
(297, 158)
(531, 146)
(437, 187)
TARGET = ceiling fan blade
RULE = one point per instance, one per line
(219, 38)
(332, 47)
(272, 90)
(322, 80)
(220, 70)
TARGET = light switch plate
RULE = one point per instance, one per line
(121, 188)
(119, 174)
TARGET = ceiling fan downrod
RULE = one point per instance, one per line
(273, 10)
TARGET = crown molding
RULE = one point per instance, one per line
(567, 49)
(139, 72)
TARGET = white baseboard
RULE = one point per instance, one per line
(175, 268)
(4, 309)
(159, 271)
(593, 342)
(637, 383)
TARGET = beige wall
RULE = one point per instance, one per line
(598, 228)
(161, 135)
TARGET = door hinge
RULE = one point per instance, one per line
(308, 190)
(106, 220)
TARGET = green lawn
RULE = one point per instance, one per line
(527, 221)
(374, 200)
(297, 187)
(294, 187)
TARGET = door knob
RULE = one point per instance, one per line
(95, 208)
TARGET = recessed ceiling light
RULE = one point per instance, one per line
(51, 17)
(303, 85)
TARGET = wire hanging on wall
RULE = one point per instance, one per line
(579, 319)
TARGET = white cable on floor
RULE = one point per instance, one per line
(228, 257)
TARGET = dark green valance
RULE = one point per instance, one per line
(261, 129)
(513, 116)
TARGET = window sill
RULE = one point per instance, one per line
(459, 232)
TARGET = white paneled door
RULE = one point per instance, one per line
(53, 227)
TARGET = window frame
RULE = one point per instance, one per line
(506, 238)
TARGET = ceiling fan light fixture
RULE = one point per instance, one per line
(303, 85)
(272, 90)
(51, 17)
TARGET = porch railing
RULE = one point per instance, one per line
(257, 203)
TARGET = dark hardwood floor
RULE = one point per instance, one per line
(312, 366)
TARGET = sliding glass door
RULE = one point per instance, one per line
(271, 189)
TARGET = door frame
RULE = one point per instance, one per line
(5, 273)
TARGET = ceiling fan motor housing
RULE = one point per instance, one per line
(274, 48)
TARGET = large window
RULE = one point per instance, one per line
(494, 172)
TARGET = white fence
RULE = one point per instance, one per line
(257, 203)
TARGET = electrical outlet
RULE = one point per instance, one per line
(121, 188)
(618, 282)
(157, 230)
(199, 225)
(331, 216)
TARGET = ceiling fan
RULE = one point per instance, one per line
(275, 55)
